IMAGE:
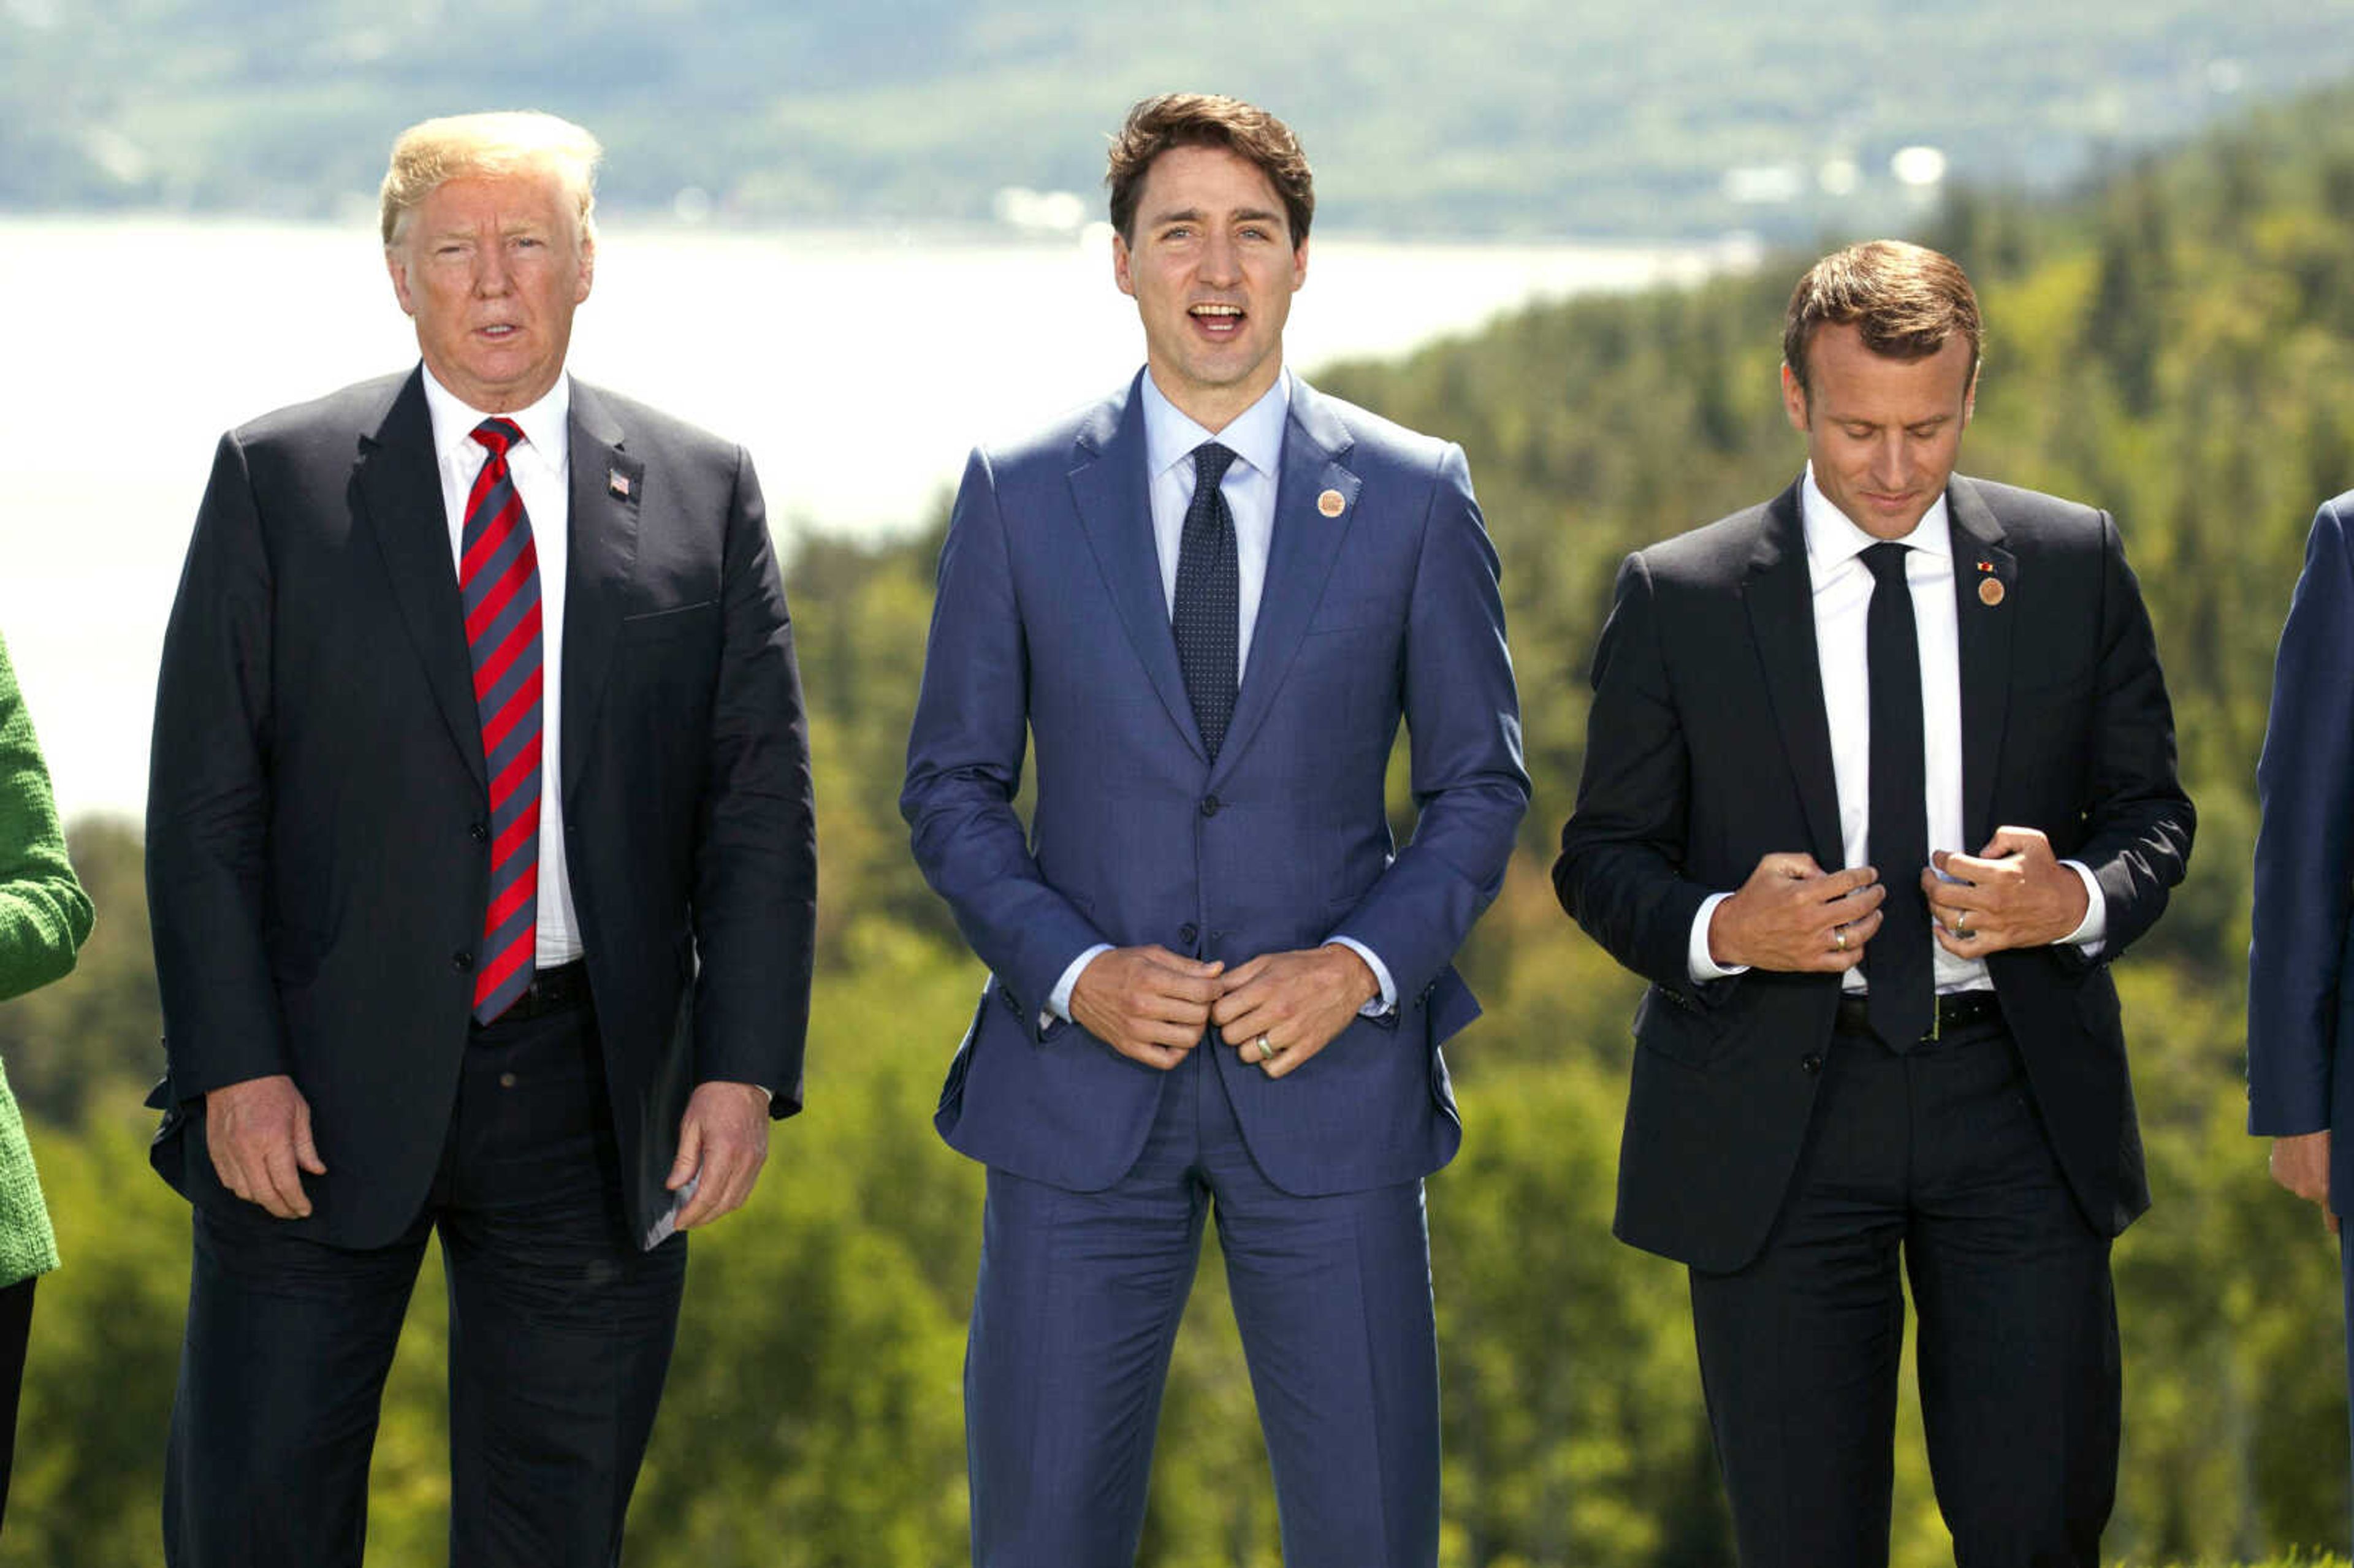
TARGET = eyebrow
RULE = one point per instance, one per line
(1196, 215)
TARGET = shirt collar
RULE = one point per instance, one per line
(1255, 435)
(543, 423)
(1833, 539)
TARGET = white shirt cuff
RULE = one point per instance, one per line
(1703, 968)
(2090, 931)
(1058, 1002)
(1388, 999)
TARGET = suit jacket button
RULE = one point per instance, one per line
(461, 960)
(1209, 805)
(480, 833)
(1187, 932)
(1812, 1063)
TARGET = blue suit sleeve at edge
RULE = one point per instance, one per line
(2304, 790)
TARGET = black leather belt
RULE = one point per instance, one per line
(551, 990)
(1956, 1010)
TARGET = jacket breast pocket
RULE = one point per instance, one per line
(661, 625)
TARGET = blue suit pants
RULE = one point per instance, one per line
(1079, 1303)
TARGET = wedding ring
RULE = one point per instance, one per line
(1266, 1051)
(1839, 941)
(1962, 926)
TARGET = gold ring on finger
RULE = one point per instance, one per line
(1266, 1051)
(1839, 941)
(1962, 926)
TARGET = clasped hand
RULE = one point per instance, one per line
(1792, 915)
(1152, 1005)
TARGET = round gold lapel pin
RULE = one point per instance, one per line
(1990, 591)
(1332, 503)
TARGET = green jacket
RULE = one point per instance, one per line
(44, 917)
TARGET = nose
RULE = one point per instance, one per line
(492, 278)
(1221, 261)
(1888, 463)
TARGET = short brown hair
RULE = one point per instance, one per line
(1207, 120)
(1906, 300)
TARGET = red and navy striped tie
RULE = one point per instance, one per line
(498, 577)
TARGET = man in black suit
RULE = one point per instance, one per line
(482, 865)
(1864, 1049)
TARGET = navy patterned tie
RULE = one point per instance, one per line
(1898, 966)
(498, 577)
(1208, 616)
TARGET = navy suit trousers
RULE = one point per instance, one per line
(1077, 1306)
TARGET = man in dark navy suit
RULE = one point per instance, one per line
(482, 862)
(1215, 984)
(1879, 779)
(2297, 959)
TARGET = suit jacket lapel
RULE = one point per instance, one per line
(1984, 632)
(606, 491)
(1780, 599)
(1109, 488)
(397, 486)
(1299, 559)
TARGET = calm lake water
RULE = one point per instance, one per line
(858, 369)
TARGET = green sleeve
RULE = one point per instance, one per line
(44, 914)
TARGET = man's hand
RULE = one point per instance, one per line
(1792, 915)
(723, 1138)
(2012, 894)
(2301, 1164)
(1148, 1003)
(259, 1134)
(1296, 1001)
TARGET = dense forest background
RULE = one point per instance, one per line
(1508, 116)
(2176, 344)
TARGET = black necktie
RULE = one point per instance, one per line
(1208, 615)
(1897, 967)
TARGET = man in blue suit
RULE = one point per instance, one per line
(1215, 983)
(2297, 995)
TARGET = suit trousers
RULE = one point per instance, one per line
(1077, 1305)
(561, 1335)
(1936, 1156)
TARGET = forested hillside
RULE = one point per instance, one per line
(2177, 346)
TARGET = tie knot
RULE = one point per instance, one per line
(1886, 560)
(1211, 461)
(499, 435)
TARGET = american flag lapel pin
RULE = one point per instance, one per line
(618, 482)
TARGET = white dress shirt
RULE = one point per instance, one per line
(1256, 437)
(542, 467)
(1842, 600)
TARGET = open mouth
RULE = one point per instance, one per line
(1217, 321)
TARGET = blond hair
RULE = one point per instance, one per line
(502, 142)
